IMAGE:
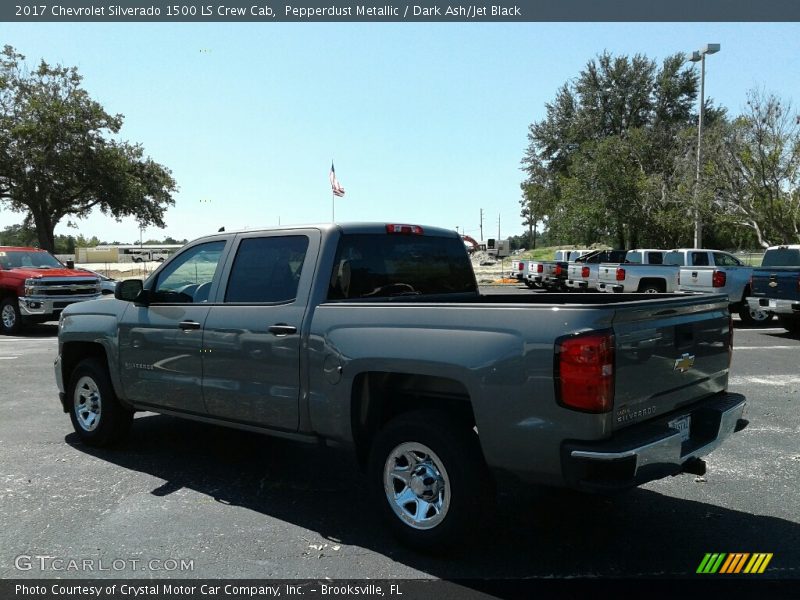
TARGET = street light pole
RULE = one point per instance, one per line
(700, 55)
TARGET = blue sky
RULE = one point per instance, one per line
(426, 122)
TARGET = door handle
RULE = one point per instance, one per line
(282, 329)
(189, 325)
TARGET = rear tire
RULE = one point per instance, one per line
(651, 288)
(96, 413)
(10, 318)
(751, 316)
(429, 479)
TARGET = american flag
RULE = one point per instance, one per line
(336, 187)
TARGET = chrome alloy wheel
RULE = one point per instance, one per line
(86, 403)
(416, 485)
(9, 317)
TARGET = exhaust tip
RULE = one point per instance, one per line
(694, 466)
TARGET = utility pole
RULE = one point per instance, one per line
(498, 227)
(481, 238)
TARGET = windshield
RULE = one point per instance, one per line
(28, 259)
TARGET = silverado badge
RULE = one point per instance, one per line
(684, 363)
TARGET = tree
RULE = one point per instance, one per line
(55, 158)
(609, 144)
(754, 177)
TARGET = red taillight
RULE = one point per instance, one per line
(585, 272)
(620, 274)
(405, 229)
(584, 372)
(521, 266)
(540, 268)
(718, 279)
(558, 270)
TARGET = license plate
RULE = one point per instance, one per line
(682, 425)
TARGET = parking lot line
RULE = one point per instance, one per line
(735, 347)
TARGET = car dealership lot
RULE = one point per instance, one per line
(183, 499)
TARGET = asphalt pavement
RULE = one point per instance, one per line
(183, 499)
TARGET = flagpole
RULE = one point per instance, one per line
(333, 207)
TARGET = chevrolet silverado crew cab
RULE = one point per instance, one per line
(376, 337)
(776, 285)
(35, 287)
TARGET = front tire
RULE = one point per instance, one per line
(10, 318)
(429, 479)
(96, 413)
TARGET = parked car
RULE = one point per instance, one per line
(107, 284)
(376, 337)
(776, 285)
(643, 271)
(583, 274)
(720, 273)
(35, 287)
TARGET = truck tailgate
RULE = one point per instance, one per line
(669, 355)
(697, 279)
(776, 283)
(607, 273)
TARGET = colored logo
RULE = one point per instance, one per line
(737, 562)
(684, 363)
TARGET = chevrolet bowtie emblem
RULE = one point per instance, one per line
(773, 284)
(684, 363)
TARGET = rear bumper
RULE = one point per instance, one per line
(610, 287)
(576, 284)
(654, 449)
(778, 306)
(535, 278)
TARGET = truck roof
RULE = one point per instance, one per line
(347, 228)
(20, 249)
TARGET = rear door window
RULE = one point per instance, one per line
(725, 260)
(267, 269)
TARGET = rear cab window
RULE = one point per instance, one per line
(781, 257)
(386, 265)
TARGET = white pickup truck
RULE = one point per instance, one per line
(643, 270)
(721, 273)
(583, 273)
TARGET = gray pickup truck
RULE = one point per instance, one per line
(377, 337)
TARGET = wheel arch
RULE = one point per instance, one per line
(73, 352)
(656, 281)
(379, 396)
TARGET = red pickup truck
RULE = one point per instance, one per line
(35, 287)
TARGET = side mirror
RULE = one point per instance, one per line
(130, 290)
(70, 264)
